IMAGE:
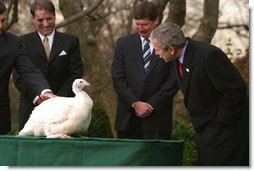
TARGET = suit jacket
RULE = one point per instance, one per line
(131, 84)
(216, 99)
(13, 56)
(62, 68)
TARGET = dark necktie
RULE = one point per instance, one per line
(180, 67)
(146, 54)
(46, 46)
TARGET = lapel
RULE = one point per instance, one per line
(37, 45)
(154, 60)
(139, 59)
(136, 48)
(187, 67)
(55, 49)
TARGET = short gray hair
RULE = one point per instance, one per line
(169, 34)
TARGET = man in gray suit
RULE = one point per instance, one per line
(13, 56)
(144, 83)
(59, 60)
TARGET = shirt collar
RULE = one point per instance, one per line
(50, 37)
(142, 40)
(183, 52)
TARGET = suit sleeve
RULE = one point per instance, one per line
(167, 90)
(119, 78)
(228, 81)
(22, 86)
(30, 75)
(75, 69)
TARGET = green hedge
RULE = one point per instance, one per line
(100, 125)
(184, 131)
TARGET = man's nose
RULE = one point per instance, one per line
(140, 28)
(45, 23)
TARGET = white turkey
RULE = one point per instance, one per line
(61, 116)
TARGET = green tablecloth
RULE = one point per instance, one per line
(40, 151)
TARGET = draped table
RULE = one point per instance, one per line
(41, 151)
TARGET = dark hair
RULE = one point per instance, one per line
(42, 5)
(146, 10)
(2, 7)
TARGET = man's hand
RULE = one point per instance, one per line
(44, 96)
(38, 101)
(143, 109)
(47, 95)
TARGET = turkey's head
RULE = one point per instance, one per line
(78, 85)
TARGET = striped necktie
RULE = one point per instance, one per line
(146, 54)
(46, 46)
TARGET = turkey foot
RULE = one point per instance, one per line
(59, 136)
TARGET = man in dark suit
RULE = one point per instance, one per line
(61, 63)
(13, 56)
(145, 92)
(215, 96)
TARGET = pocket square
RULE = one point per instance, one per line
(62, 53)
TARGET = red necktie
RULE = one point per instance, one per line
(180, 67)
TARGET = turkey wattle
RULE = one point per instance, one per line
(61, 116)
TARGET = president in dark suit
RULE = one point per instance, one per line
(59, 61)
(12, 55)
(145, 88)
(215, 96)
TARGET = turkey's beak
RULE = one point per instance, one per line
(86, 83)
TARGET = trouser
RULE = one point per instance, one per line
(143, 135)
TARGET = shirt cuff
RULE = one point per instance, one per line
(45, 91)
(35, 99)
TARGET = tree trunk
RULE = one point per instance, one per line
(209, 21)
(94, 65)
(177, 12)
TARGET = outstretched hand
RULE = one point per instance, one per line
(44, 97)
(47, 95)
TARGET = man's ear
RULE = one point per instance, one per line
(171, 50)
(157, 20)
